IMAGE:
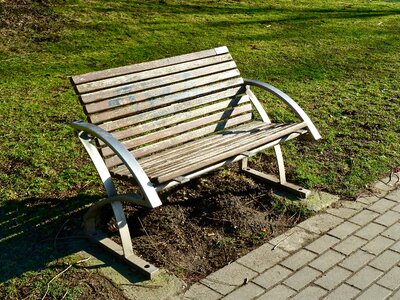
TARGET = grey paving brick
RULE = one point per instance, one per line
(201, 292)
(350, 244)
(396, 208)
(388, 218)
(393, 232)
(370, 231)
(298, 260)
(327, 260)
(386, 260)
(272, 276)
(356, 260)
(333, 278)
(377, 245)
(278, 292)
(343, 292)
(228, 278)
(294, 239)
(396, 247)
(320, 223)
(364, 277)
(310, 293)
(375, 292)
(354, 205)
(262, 258)
(301, 278)
(368, 199)
(323, 243)
(344, 230)
(364, 217)
(342, 212)
(382, 205)
(246, 292)
(395, 296)
(391, 279)
(394, 195)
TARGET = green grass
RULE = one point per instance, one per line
(339, 60)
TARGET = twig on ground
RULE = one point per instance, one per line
(278, 243)
(62, 272)
(59, 231)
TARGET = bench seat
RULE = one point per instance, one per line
(186, 158)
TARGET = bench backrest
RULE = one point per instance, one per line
(155, 105)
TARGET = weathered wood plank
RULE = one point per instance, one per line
(179, 117)
(172, 108)
(171, 131)
(226, 154)
(148, 74)
(155, 101)
(146, 65)
(180, 139)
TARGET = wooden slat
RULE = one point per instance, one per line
(146, 65)
(208, 146)
(160, 100)
(172, 108)
(224, 154)
(148, 74)
(158, 91)
(182, 138)
(179, 117)
(171, 131)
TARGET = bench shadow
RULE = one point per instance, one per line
(35, 232)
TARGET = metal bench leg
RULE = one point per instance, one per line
(125, 253)
(274, 180)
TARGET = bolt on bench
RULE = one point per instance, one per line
(161, 123)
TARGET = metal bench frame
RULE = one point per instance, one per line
(148, 196)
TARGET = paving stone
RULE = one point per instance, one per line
(310, 293)
(342, 212)
(388, 218)
(375, 292)
(386, 184)
(393, 232)
(394, 195)
(323, 243)
(343, 292)
(200, 291)
(377, 245)
(386, 260)
(333, 278)
(301, 278)
(298, 260)
(382, 205)
(272, 276)
(368, 199)
(359, 206)
(278, 292)
(228, 278)
(396, 208)
(395, 296)
(327, 260)
(294, 239)
(349, 245)
(396, 247)
(364, 277)
(391, 279)
(356, 260)
(344, 230)
(262, 258)
(370, 231)
(363, 217)
(320, 223)
(246, 292)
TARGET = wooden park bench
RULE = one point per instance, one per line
(161, 123)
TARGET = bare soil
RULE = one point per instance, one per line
(208, 223)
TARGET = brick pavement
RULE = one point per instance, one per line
(348, 252)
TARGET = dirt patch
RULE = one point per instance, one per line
(208, 223)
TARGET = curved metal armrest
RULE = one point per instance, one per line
(289, 101)
(127, 158)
